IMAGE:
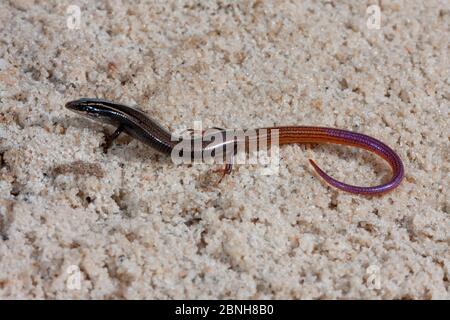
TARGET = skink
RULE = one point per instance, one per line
(140, 126)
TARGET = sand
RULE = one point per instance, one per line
(76, 222)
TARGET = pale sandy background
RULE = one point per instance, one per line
(138, 226)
